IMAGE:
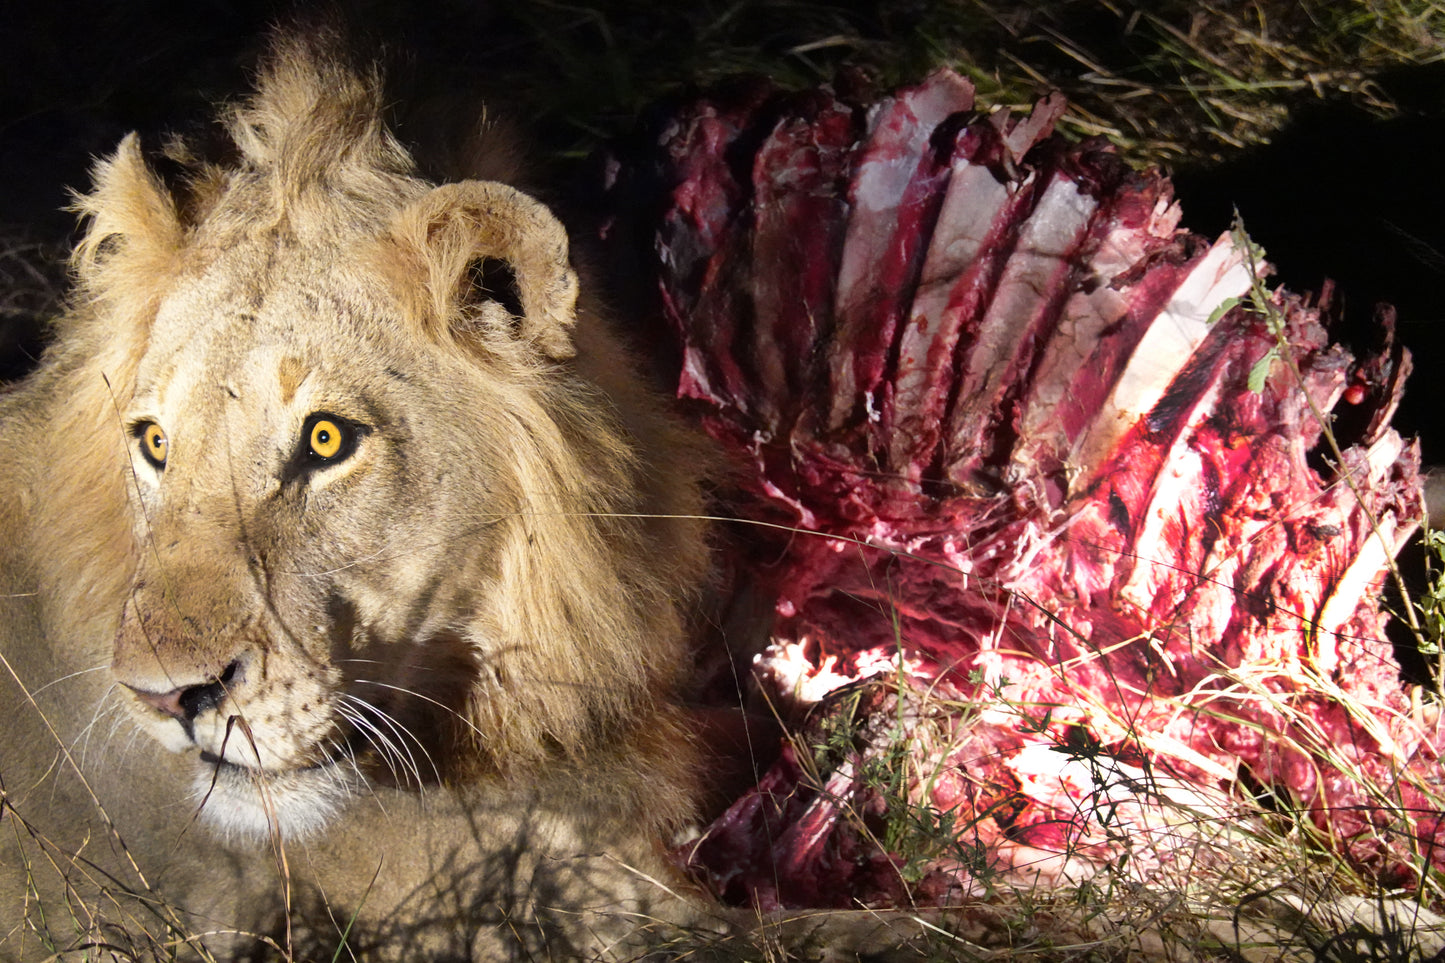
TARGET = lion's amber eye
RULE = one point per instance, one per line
(153, 444)
(328, 438)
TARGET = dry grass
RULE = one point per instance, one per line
(1185, 83)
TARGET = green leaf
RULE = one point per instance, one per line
(1260, 372)
(1225, 306)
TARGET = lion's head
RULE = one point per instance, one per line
(384, 523)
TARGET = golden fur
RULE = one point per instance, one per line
(429, 681)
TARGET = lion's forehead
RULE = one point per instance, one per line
(262, 336)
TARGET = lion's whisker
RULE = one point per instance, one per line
(72, 675)
(425, 698)
(105, 708)
(402, 733)
(344, 771)
(391, 753)
(102, 708)
(333, 769)
(385, 751)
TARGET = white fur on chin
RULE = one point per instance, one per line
(251, 806)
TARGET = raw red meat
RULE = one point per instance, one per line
(1101, 588)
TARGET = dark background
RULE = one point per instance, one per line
(1338, 194)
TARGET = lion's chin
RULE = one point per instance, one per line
(253, 806)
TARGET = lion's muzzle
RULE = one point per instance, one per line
(185, 703)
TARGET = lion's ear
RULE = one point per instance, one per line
(134, 233)
(494, 256)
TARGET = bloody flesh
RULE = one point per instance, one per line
(999, 401)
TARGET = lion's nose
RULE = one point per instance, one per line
(185, 703)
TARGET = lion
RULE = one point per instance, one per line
(347, 566)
